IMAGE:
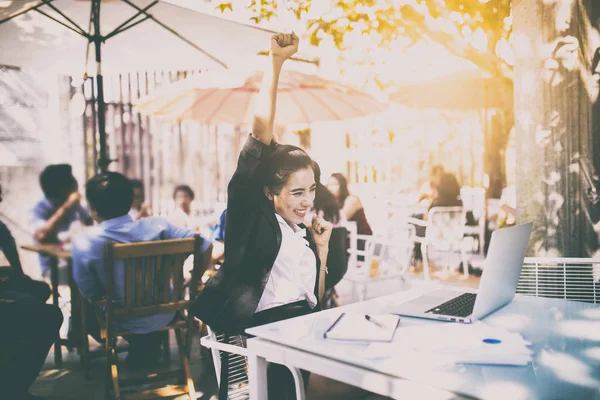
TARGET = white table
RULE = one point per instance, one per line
(565, 338)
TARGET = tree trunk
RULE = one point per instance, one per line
(500, 125)
(556, 113)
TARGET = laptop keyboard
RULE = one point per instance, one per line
(461, 306)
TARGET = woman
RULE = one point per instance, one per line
(352, 208)
(325, 204)
(273, 267)
(448, 193)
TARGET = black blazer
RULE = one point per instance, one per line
(252, 242)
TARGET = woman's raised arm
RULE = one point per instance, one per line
(283, 46)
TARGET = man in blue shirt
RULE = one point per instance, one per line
(110, 196)
(59, 208)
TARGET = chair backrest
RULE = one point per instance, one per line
(352, 230)
(564, 278)
(150, 274)
(445, 228)
(232, 350)
(397, 248)
(473, 199)
(337, 259)
(238, 362)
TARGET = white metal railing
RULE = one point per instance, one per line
(565, 278)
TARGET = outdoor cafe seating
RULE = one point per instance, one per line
(154, 284)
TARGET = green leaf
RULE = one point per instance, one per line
(224, 7)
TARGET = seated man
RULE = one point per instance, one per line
(110, 196)
(29, 327)
(59, 208)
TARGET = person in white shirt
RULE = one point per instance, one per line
(183, 195)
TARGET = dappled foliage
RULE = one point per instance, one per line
(471, 29)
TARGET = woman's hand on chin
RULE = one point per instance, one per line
(321, 230)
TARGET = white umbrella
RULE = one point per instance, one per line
(8, 158)
(34, 41)
(53, 36)
(228, 97)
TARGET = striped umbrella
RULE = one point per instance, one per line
(228, 97)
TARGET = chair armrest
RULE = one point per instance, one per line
(417, 221)
(357, 252)
(211, 343)
(99, 302)
(420, 239)
(364, 237)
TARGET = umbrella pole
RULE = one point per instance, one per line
(103, 159)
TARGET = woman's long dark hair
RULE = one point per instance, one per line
(343, 182)
(448, 192)
(325, 201)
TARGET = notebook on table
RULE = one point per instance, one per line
(364, 327)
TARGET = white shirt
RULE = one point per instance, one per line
(294, 272)
(179, 218)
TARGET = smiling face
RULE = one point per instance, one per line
(296, 197)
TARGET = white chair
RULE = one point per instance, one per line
(385, 256)
(565, 278)
(444, 233)
(474, 201)
(235, 349)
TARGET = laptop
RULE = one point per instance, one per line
(497, 286)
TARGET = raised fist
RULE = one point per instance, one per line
(284, 45)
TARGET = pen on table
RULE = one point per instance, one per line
(368, 318)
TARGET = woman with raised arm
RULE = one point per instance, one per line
(274, 267)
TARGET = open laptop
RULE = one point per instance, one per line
(497, 287)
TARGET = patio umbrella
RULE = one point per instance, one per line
(54, 36)
(228, 97)
(8, 158)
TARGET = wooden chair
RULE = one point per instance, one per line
(154, 284)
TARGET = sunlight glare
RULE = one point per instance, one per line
(593, 353)
(505, 390)
(479, 40)
(567, 367)
(580, 329)
(516, 323)
(592, 313)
